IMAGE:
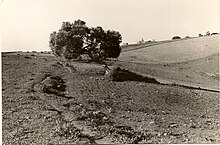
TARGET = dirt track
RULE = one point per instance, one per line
(94, 109)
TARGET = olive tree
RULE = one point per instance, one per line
(74, 39)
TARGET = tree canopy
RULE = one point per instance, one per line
(74, 39)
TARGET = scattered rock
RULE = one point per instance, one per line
(208, 122)
(110, 110)
(193, 126)
(164, 112)
(152, 122)
(146, 114)
(176, 133)
(173, 125)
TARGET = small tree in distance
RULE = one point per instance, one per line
(207, 33)
(200, 35)
(74, 39)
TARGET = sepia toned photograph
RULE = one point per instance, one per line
(110, 72)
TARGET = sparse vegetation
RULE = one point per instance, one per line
(140, 99)
(47, 100)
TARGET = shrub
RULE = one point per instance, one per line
(200, 35)
(176, 37)
(54, 85)
(214, 33)
(207, 33)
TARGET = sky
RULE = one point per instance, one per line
(27, 24)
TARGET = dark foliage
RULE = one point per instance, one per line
(75, 39)
(122, 75)
(54, 85)
(176, 37)
(208, 33)
(200, 35)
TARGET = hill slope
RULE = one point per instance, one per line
(176, 51)
(192, 62)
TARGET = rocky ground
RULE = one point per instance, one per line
(47, 101)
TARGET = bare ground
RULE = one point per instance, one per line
(47, 102)
(172, 52)
(202, 72)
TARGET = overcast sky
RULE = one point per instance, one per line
(27, 24)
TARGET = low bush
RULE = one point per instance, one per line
(176, 37)
(121, 75)
(54, 85)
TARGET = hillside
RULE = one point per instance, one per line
(170, 99)
(174, 51)
(191, 62)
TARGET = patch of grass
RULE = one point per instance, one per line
(126, 134)
(67, 130)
